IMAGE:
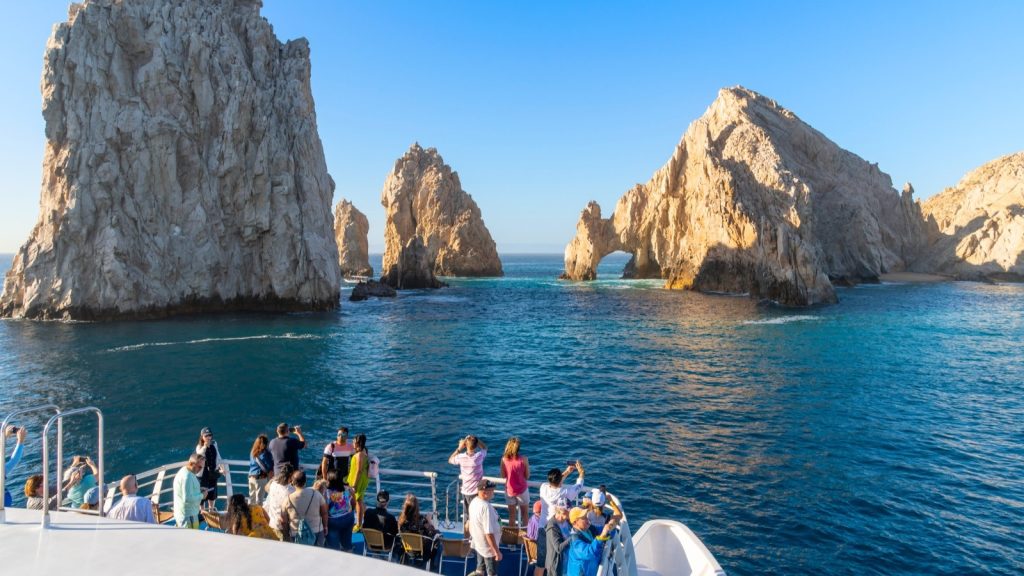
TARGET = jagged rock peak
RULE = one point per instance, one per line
(753, 200)
(182, 171)
(978, 225)
(351, 230)
(423, 198)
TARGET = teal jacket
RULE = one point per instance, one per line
(584, 557)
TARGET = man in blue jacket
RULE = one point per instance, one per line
(585, 549)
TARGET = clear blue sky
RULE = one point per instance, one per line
(543, 106)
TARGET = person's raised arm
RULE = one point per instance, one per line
(462, 444)
(92, 466)
(616, 511)
(480, 444)
(568, 470)
(298, 432)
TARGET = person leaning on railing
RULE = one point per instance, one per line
(34, 490)
(583, 557)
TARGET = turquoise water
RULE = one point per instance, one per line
(882, 435)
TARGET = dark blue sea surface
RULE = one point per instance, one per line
(882, 435)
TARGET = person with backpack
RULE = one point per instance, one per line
(337, 455)
(304, 517)
(359, 478)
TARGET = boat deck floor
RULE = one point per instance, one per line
(84, 544)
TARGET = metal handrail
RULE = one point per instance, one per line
(155, 478)
(3, 448)
(60, 444)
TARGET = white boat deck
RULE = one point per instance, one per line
(87, 544)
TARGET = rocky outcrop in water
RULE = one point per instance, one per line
(423, 199)
(413, 269)
(371, 288)
(755, 201)
(350, 230)
(182, 172)
(977, 226)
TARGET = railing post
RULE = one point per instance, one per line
(46, 458)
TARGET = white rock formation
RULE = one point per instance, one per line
(351, 229)
(424, 199)
(755, 201)
(182, 172)
(978, 225)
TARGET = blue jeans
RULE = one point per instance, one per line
(339, 532)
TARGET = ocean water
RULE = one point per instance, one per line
(882, 435)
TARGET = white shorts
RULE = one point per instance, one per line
(519, 499)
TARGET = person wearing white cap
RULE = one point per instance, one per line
(593, 503)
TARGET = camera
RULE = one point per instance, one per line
(12, 430)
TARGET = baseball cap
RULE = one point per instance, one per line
(575, 514)
(597, 497)
(92, 496)
(486, 485)
(562, 503)
(205, 431)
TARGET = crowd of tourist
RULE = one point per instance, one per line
(283, 505)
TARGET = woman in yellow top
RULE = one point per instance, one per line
(359, 478)
(245, 520)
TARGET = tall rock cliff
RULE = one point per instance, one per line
(423, 199)
(350, 230)
(977, 226)
(182, 171)
(755, 201)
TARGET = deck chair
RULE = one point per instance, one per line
(374, 544)
(417, 547)
(162, 516)
(453, 550)
(213, 520)
(530, 546)
(511, 537)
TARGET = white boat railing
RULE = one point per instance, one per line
(157, 483)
